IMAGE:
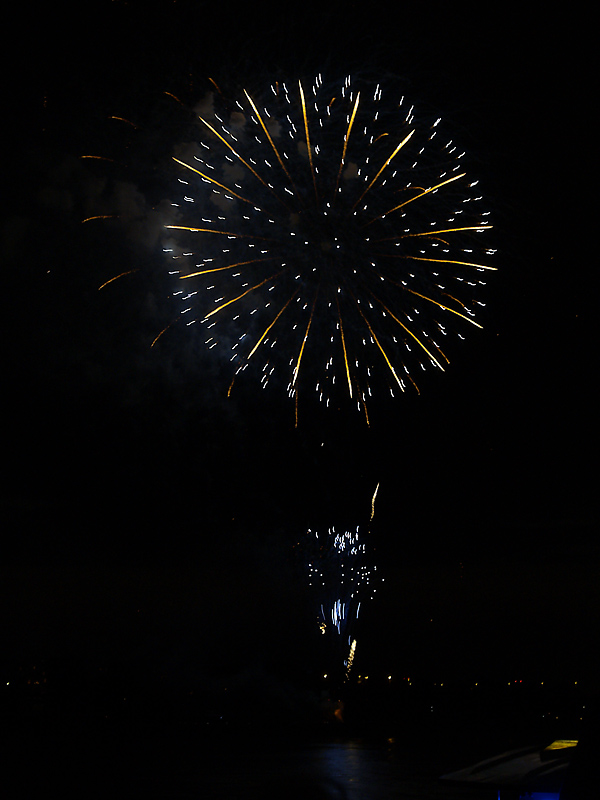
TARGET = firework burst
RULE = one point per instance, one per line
(327, 238)
(340, 580)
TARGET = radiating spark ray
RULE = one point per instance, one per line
(387, 161)
(438, 304)
(272, 143)
(344, 348)
(116, 277)
(364, 406)
(220, 185)
(170, 94)
(437, 232)
(239, 297)
(297, 367)
(308, 146)
(255, 348)
(456, 300)
(224, 269)
(164, 330)
(99, 158)
(416, 197)
(346, 140)
(441, 261)
(410, 333)
(101, 216)
(212, 230)
(245, 163)
(122, 119)
(377, 342)
(216, 86)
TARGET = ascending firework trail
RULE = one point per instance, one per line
(340, 578)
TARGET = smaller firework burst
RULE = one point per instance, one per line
(339, 579)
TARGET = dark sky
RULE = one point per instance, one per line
(130, 483)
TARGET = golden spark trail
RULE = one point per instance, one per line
(100, 216)
(346, 140)
(255, 348)
(297, 367)
(223, 269)
(440, 260)
(170, 94)
(239, 297)
(439, 305)
(456, 300)
(344, 347)
(129, 271)
(128, 121)
(260, 340)
(373, 502)
(400, 146)
(216, 87)
(376, 340)
(296, 408)
(312, 167)
(350, 659)
(212, 230)
(238, 156)
(410, 333)
(416, 197)
(220, 185)
(275, 150)
(364, 405)
(436, 232)
(164, 330)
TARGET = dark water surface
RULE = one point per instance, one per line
(350, 769)
(379, 751)
(243, 766)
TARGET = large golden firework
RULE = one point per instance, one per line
(326, 237)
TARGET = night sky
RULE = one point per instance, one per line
(147, 517)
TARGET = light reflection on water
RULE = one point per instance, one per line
(243, 766)
(341, 770)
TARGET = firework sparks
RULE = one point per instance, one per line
(340, 579)
(373, 502)
(327, 237)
